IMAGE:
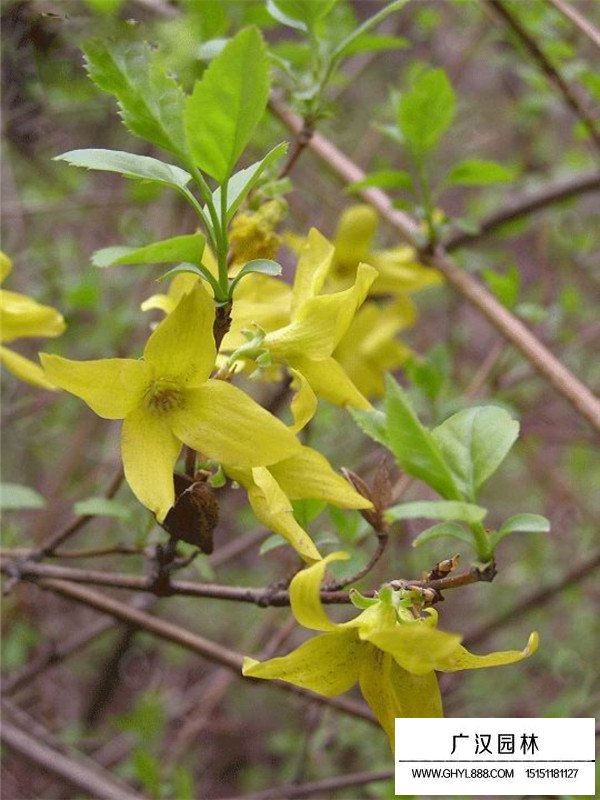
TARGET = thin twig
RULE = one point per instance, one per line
(553, 75)
(522, 207)
(299, 790)
(171, 632)
(546, 364)
(262, 597)
(577, 18)
(574, 576)
(75, 772)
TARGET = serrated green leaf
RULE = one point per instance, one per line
(240, 184)
(426, 110)
(373, 423)
(101, 507)
(264, 266)
(383, 179)
(474, 443)
(227, 104)
(521, 523)
(151, 103)
(187, 248)
(448, 510)
(478, 172)
(128, 164)
(443, 530)
(415, 449)
(15, 497)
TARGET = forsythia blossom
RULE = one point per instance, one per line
(391, 655)
(20, 316)
(167, 399)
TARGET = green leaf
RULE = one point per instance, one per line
(374, 43)
(522, 523)
(345, 46)
(202, 272)
(147, 771)
(178, 248)
(151, 103)
(426, 110)
(373, 423)
(506, 287)
(128, 164)
(264, 266)
(15, 497)
(302, 15)
(448, 510)
(272, 542)
(101, 507)
(474, 443)
(443, 530)
(227, 104)
(240, 184)
(383, 179)
(415, 449)
(211, 49)
(478, 172)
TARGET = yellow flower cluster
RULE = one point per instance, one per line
(22, 317)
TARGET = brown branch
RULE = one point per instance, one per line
(553, 75)
(577, 18)
(518, 208)
(190, 641)
(94, 782)
(574, 576)
(546, 364)
(299, 790)
(262, 597)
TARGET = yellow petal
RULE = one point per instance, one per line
(460, 658)
(225, 424)
(183, 347)
(313, 265)
(5, 266)
(329, 381)
(308, 474)
(326, 664)
(150, 451)
(21, 316)
(181, 285)
(392, 692)
(304, 402)
(399, 271)
(274, 510)
(416, 647)
(305, 596)
(354, 234)
(112, 387)
(162, 302)
(24, 369)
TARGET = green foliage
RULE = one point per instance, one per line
(426, 110)
(227, 104)
(474, 443)
(448, 510)
(130, 165)
(102, 507)
(478, 172)
(15, 497)
(414, 447)
(303, 15)
(188, 247)
(150, 102)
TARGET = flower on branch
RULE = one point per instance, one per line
(392, 655)
(167, 399)
(21, 317)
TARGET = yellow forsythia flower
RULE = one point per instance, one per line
(252, 234)
(392, 655)
(20, 317)
(167, 399)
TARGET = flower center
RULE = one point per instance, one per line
(163, 396)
